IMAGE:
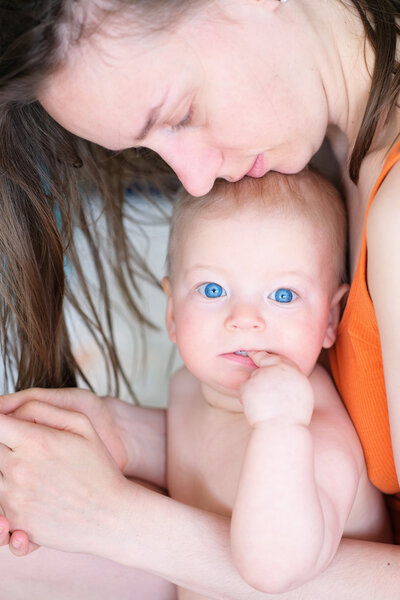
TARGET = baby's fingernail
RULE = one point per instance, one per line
(16, 544)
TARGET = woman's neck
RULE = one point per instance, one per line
(346, 62)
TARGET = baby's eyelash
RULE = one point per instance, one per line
(185, 122)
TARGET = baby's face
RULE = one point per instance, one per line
(249, 281)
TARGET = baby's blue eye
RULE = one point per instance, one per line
(283, 295)
(212, 290)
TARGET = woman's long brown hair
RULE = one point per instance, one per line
(52, 186)
(49, 179)
(381, 20)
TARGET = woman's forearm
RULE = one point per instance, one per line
(192, 548)
(52, 575)
(189, 547)
(143, 431)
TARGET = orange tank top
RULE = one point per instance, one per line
(356, 362)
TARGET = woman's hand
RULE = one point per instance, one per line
(135, 436)
(58, 482)
(23, 405)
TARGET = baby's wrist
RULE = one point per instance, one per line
(282, 421)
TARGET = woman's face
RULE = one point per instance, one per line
(217, 96)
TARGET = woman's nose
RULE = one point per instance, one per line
(197, 165)
(245, 317)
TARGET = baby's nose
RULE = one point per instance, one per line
(245, 316)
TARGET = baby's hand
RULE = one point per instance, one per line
(277, 389)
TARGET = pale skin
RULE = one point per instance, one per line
(263, 437)
(285, 466)
(213, 575)
(50, 574)
(328, 44)
(289, 556)
(53, 574)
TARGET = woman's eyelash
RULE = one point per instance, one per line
(185, 121)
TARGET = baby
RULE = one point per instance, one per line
(256, 429)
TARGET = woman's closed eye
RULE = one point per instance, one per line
(211, 290)
(185, 122)
(283, 295)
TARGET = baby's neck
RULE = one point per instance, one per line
(221, 399)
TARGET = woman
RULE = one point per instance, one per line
(217, 89)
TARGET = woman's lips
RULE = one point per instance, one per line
(258, 169)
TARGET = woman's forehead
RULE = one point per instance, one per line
(116, 84)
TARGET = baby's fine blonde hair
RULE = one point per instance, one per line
(306, 195)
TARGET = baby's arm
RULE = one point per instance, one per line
(299, 477)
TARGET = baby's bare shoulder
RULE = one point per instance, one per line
(325, 392)
(331, 426)
(330, 413)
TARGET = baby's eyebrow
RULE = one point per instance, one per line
(200, 267)
(200, 272)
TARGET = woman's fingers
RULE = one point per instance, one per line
(29, 405)
(57, 486)
(15, 430)
(20, 544)
(12, 433)
(4, 531)
(52, 416)
(18, 541)
(69, 398)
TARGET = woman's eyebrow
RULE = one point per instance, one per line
(151, 119)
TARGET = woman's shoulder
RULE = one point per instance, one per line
(379, 173)
(386, 203)
(383, 240)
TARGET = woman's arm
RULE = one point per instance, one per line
(53, 575)
(383, 240)
(66, 491)
(143, 434)
(192, 548)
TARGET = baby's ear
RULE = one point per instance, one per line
(334, 315)
(169, 313)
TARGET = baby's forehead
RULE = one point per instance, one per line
(245, 226)
(251, 213)
(306, 199)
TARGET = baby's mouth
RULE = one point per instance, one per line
(241, 352)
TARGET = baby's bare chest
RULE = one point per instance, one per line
(205, 453)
